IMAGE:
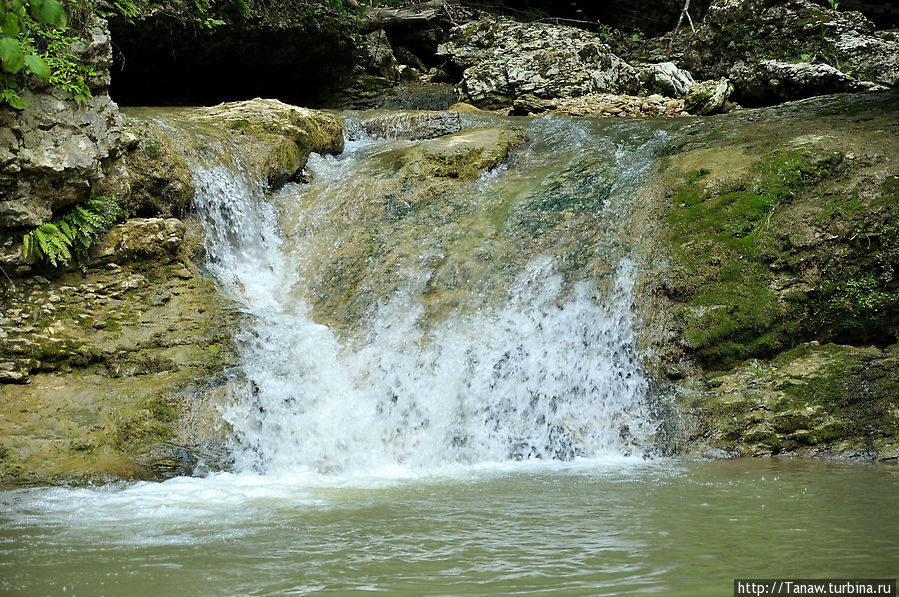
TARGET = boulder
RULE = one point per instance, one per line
(503, 59)
(424, 124)
(463, 156)
(382, 62)
(778, 80)
(275, 137)
(708, 97)
(665, 78)
(774, 51)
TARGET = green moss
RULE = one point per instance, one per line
(728, 245)
(743, 38)
(149, 147)
(858, 390)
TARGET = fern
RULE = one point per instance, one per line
(71, 233)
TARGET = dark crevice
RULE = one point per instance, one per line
(161, 60)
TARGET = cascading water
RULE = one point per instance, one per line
(536, 363)
(437, 387)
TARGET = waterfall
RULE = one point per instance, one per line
(536, 363)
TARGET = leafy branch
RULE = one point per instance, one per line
(20, 21)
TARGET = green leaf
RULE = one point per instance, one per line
(28, 245)
(9, 96)
(9, 24)
(37, 67)
(11, 55)
(51, 12)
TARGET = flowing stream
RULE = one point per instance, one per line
(440, 393)
(527, 363)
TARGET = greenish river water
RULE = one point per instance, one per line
(615, 527)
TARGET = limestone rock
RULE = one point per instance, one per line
(424, 124)
(815, 400)
(876, 56)
(665, 78)
(466, 108)
(708, 97)
(408, 74)
(160, 178)
(462, 156)
(531, 104)
(146, 374)
(277, 138)
(774, 51)
(602, 105)
(380, 55)
(156, 239)
(55, 151)
(503, 60)
(785, 80)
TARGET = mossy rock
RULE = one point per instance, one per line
(790, 251)
(812, 400)
(124, 371)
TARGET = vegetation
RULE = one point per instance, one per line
(736, 261)
(73, 232)
(24, 28)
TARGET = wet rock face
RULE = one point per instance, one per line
(502, 60)
(790, 240)
(112, 374)
(775, 51)
(814, 400)
(395, 205)
(54, 152)
(274, 138)
(779, 238)
(115, 368)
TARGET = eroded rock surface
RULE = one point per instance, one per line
(113, 372)
(777, 229)
(787, 50)
(55, 152)
(827, 400)
(503, 59)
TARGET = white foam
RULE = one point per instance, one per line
(543, 372)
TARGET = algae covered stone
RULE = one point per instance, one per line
(277, 137)
(813, 400)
